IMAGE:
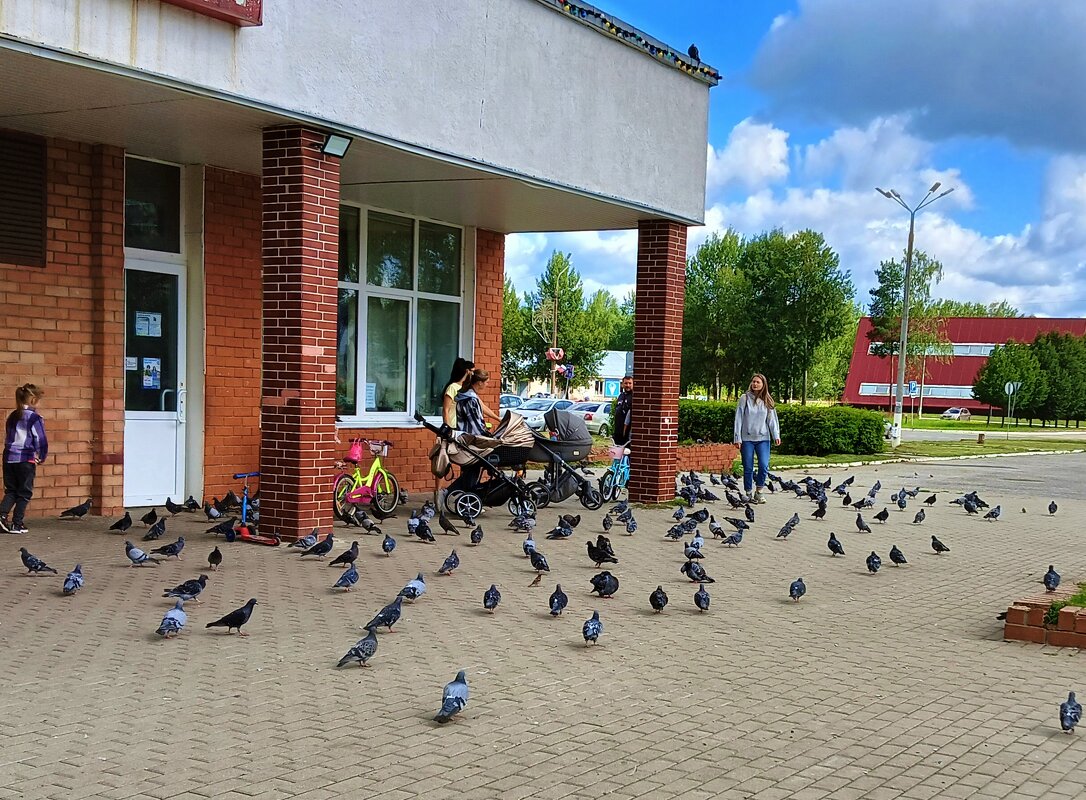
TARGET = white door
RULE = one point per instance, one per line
(154, 384)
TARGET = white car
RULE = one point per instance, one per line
(960, 414)
(509, 401)
(533, 410)
(596, 416)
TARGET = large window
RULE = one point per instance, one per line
(400, 313)
(152, 205)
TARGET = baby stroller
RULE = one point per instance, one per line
(507, 446)
(560, 480)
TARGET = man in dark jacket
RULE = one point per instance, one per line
(623, 412)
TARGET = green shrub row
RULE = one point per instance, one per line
(805, 430)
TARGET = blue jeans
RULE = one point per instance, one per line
(747, 450)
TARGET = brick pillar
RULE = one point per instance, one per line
(658, 334)
(300, 267)
(107, 329)
(489, 296)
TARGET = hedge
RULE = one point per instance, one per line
(805, 430)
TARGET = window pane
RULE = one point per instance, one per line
(390, 243)
(439, 259)
(152, 206)
(349, 220)
(347, 353)
(386, 355)
(438, 344)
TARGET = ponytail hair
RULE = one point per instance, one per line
(26, 395)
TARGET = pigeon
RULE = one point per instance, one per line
(173, 621)
(873, 562)
(938, 546)
(692, 552)
(225, 526)
(77, 512)
(680, 512)
(560, 531)
(214, 558)
(1052, 508)
(189, 590)
(693, 52)
(150, 518)
(467, 519)
(491, 598)
(347, 578)
(34, 564)
(592, 629)
(919, 517)
(820, 512)
(192, 504)
(701, 598)
(213, 510)
(970, 507)
(137, 556)
(607, 522)
(388, 544)
(631, 527)
(1070, 713)
(235, 619)
(348, 556)
(155, 531)
(476, 535)
(529, 545)
(536, 580)
(785, 532)
(453, 699)
(539, 561)
(902, 500)
(74, 582)
(883, 515)
(363, 651)
(1051, 579)
(797, 589)
(748, 512)
(846, 500)
(734, 539)
(836, 548)
(696, 572)
(173, 549)
(599, 556)
(446, 525)
(450, 564)
(123, 524)
(738, 524)
(424, 533)
(604, 544)
(930, 500)
(658, 599)
(862, 526)
(306, 541)
(320, 549)
(605, 584)
(897, 556)
(993, 514)
(414, 589)
(173, 508)
(793, 521)
(558, 601)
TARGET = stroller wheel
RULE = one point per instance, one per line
(540, 495)
(523, 507)
(450, 500)
(468, 504)
(591, 499)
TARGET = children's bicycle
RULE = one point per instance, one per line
(614, 480)
(245, 531)
(378, 486)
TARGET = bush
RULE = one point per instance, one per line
(805, 430)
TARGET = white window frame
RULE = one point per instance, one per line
(161, 256)
(465, 299)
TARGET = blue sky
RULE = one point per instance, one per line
(822, 100)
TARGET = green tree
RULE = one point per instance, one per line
(1062, 359)
(622, 337)
(518, 339)
(1013, 361)
(832, 359)
(964, 308)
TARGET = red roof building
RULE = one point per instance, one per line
(872, 380)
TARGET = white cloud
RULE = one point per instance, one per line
(755, 154)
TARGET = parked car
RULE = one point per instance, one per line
(534, 409)
(960, 414)
(596, 415)
(509, 401)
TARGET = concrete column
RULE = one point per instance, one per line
(300, 188)
(658, 334)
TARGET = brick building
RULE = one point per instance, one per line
(205, 284)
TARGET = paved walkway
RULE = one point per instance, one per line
(893, 685)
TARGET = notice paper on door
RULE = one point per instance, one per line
(148, 323)
(131, 363)
(152, 373)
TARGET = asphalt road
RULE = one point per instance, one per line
(918, 435)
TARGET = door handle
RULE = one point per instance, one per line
(162, 398)
(182, 394)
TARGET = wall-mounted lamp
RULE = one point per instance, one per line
(336, 145)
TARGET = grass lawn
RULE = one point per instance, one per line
(977, 424)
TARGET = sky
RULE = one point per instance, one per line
(823, 100)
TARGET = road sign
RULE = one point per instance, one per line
(610, 388)
(913, 389)
(1012, 387)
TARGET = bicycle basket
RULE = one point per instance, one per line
(379, 448)
(617, 451)
(354, 454)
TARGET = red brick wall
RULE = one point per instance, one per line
(661, 284)
(300, 246)
(59, 341)
(407, 458)
(232, 291)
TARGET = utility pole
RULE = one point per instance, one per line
(554, 338)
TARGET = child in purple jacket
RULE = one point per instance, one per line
(25, 446)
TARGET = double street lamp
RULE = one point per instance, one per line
(903, 341)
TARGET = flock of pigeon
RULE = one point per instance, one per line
(692, 490)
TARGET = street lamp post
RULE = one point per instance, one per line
(903, 341)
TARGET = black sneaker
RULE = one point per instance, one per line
(4, 525)
(18, 529)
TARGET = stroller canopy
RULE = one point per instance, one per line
(569, 427)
